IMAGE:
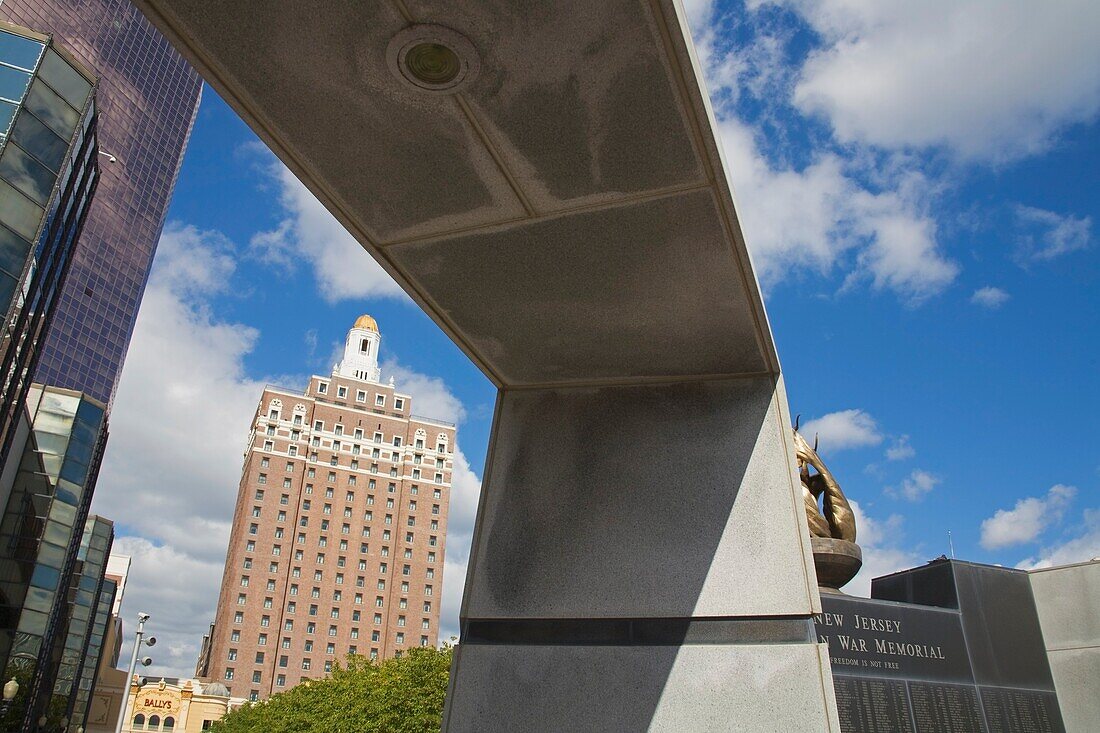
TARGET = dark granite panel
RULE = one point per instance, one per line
(872, 706)
(945, 708)
(1002, 627)
(1021, 711)
(929, 585)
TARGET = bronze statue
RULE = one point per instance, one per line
(837, 557)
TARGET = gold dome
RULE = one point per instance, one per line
(366, 322)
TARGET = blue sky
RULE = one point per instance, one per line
(918, 185)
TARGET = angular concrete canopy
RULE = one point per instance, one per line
(641, 558)
(587, 129)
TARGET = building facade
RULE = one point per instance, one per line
(110, 687)
(41, 536)
(91, 597)
(339, 529)
(171, 705)
(48, 175)
(147, 98)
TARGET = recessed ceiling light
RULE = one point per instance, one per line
(433, 58)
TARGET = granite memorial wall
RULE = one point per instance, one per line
(948, 647)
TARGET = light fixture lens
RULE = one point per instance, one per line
(433, 63)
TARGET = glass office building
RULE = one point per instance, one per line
(48, 174)
(148, 97)
(86, 622)
(40, 538)
(97, 655)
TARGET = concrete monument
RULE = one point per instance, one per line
(544, 179)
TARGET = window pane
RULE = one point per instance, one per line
(52, 109)
(7, 290)
(40, 141)
(64, 79)
(19, 212)
(44, 577)
(32, 623)
(13, 84)
(27, 174)
(7, 113)
(19, 51)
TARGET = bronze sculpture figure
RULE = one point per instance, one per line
(832, 523)
(834, 517)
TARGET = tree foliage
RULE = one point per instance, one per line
(402, 695)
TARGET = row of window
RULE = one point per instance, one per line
(353, 465)
(360, 396)
(330, 648)
(364, 547)
(154, 723)
(355, 449)
(338, 431)
(242, 600)
(326, 508)
(292, 606)
(391, 487)
(345, 528)
(307, 664)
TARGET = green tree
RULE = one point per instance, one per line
(402, 695)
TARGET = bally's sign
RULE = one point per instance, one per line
(885, 639)
(158, 702)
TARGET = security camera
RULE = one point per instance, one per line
(143, 617)
(146, 661)
(151, 641)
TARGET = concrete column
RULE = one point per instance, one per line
(562, 210)
(640, 563)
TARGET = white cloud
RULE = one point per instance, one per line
(915, 486)
(178, 429)
(184, 404)
(179, 591)
(699, 13)
(811, 219)
(1025, 521)
(989, 297)
(1047, 234)
(461, 513)
(985, 79)
(310, 233)
(883, 553)
(1085, 546)
(900, 450)
(431, 396)
(842, 430)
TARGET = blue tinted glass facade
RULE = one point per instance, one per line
(48, 174)
(147, 100)
(41, 557)
(86, 622)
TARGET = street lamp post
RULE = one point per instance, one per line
(145, 661)
(11, 689)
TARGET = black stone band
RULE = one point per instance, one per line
(641, 631)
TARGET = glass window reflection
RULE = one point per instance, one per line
(17, 211)
(64, 79)
(13, 252)
(7, 114)
(42, 143)
(27, 174)
(13, 83)
(19, 51)
(52, 109)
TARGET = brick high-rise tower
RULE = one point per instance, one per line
(339, 529)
